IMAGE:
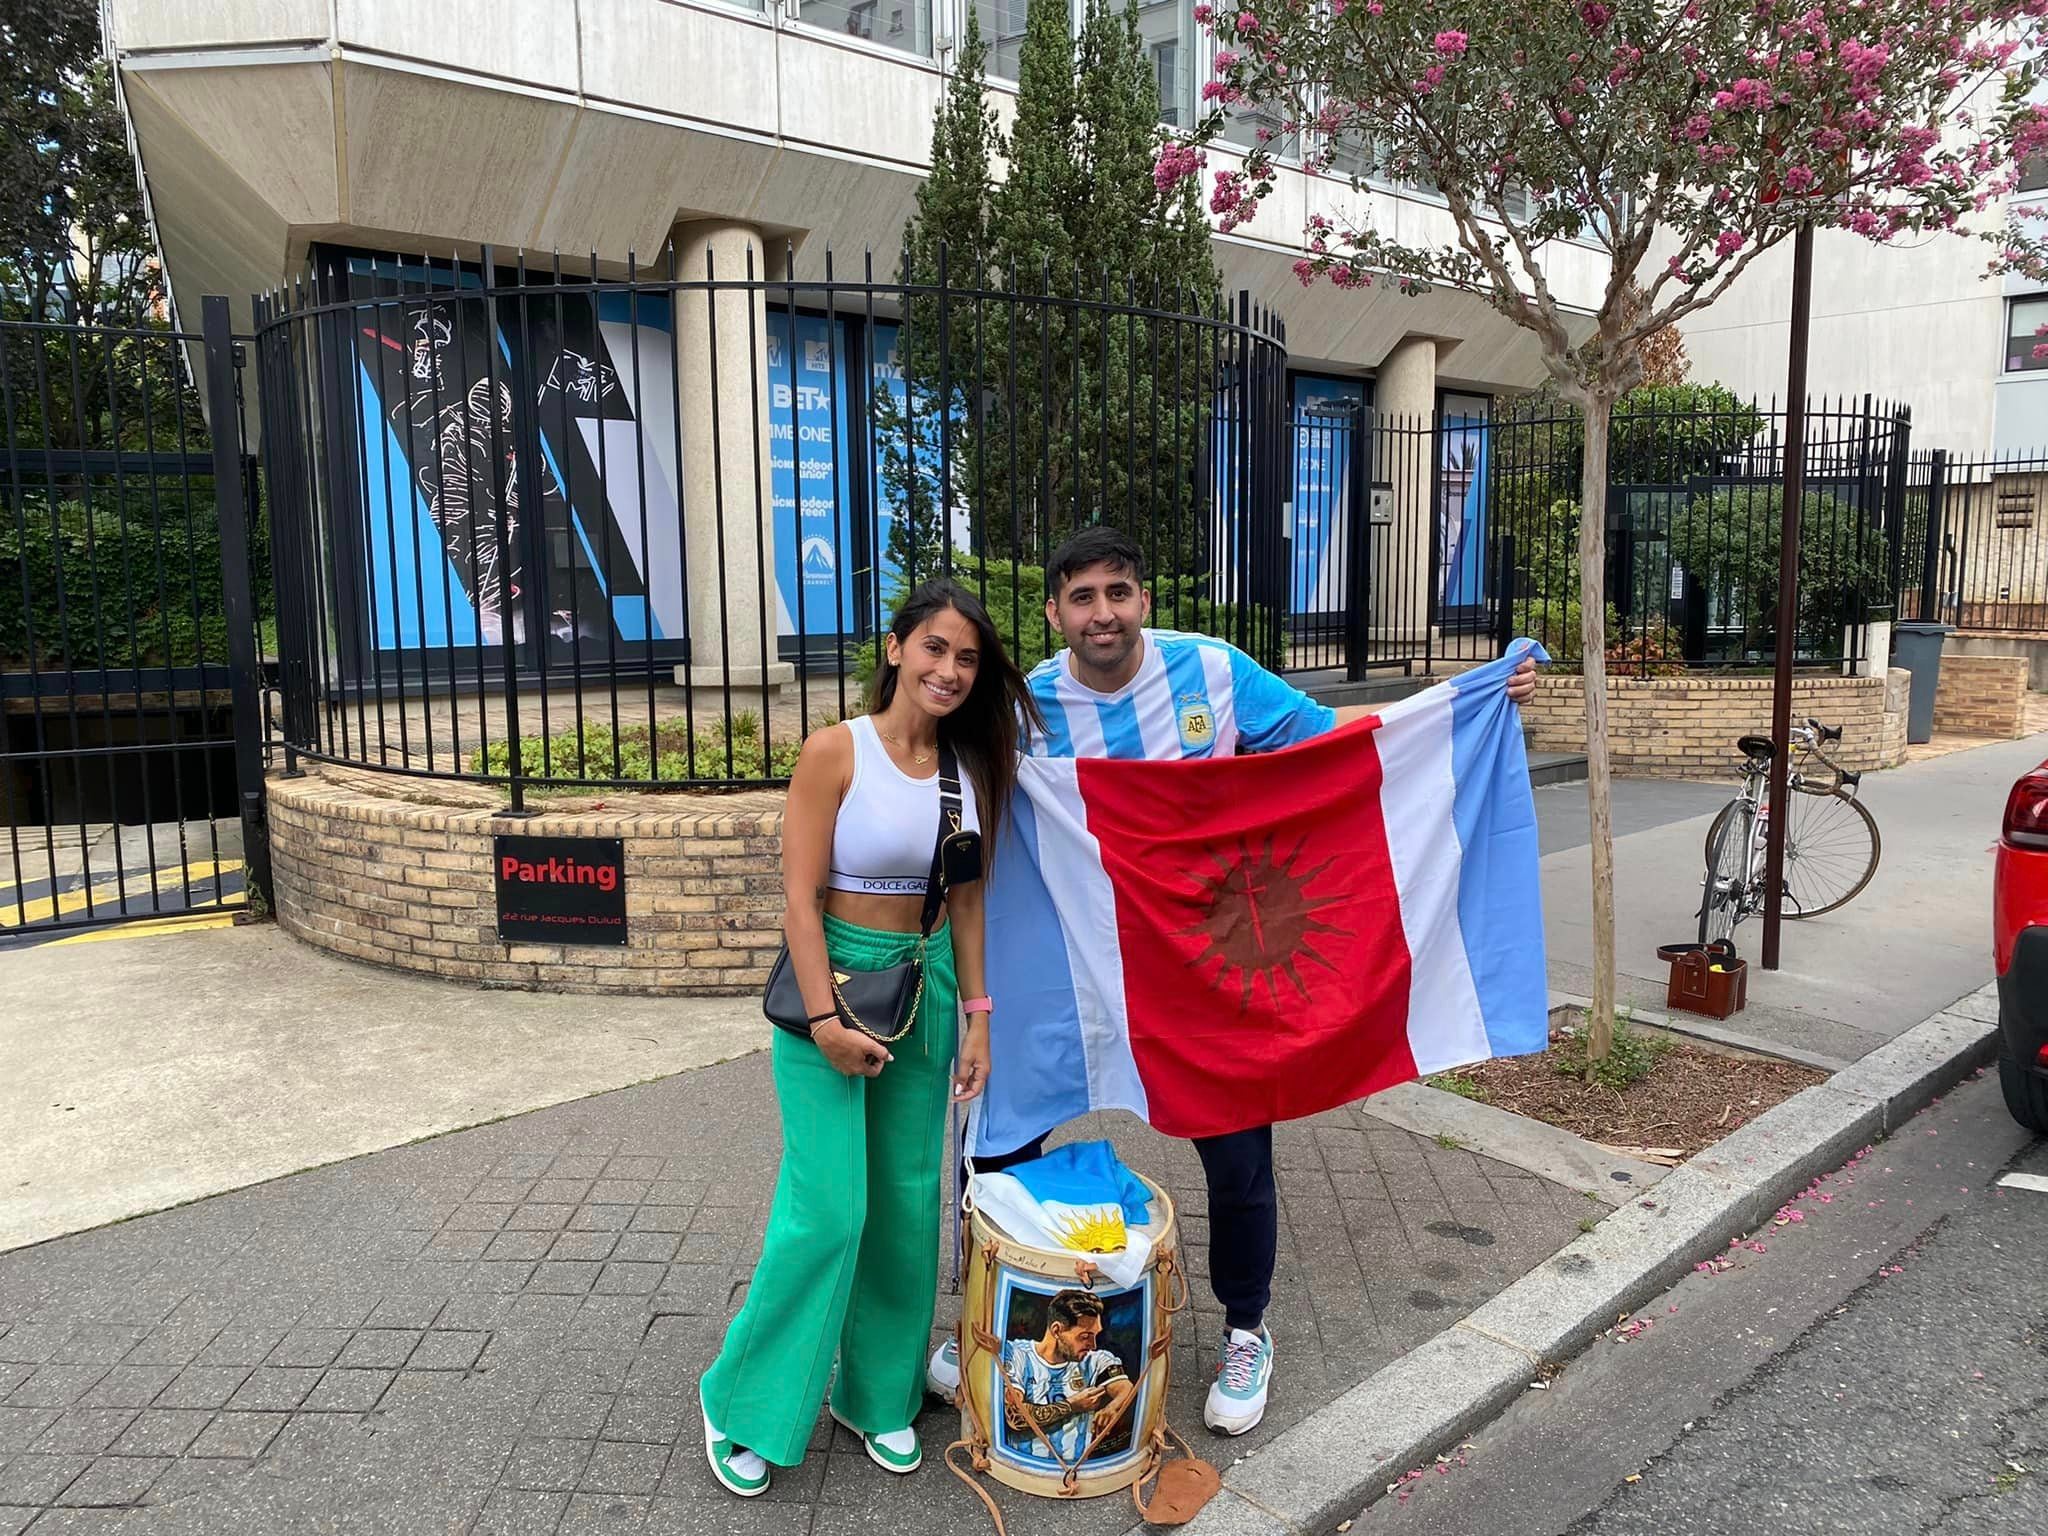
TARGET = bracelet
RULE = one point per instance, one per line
(977, 1005)
(818, 1021)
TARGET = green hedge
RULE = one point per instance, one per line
(677, 753)
(143, 617)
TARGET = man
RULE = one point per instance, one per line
(1063, 1382)
(1124, 691)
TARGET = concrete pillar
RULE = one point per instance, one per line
(729, 518)
(1404, 396)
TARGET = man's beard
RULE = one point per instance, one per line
(1121, 653)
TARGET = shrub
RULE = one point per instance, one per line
(138, 587)
(676, 754)
(1729, 542)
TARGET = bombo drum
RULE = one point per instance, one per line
(1063, 1374)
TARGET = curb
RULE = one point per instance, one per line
(1339, 1459)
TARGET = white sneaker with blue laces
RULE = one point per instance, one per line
(1244, 1370)
(942, 1372)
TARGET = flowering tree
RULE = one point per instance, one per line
(1685, 137)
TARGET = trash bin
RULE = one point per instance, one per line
(1916, 646)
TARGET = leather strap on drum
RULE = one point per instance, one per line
(1182, 1486)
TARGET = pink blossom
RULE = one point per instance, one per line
(1595, 15)
(1451, 44)
(1225, 61)
(1176, 162)
(1204, 11)
(1305, 271)
(1864, 64)
(1432, 77)
(1727, 243)
(1566, 117)
(1744, 95)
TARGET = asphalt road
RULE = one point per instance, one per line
(1881, 1368)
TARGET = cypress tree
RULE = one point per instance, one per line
(1104, 415)
(949, 232)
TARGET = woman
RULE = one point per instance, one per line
(850, 1263)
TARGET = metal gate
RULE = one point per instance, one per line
(130, 700)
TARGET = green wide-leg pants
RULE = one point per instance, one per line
(850, 1263)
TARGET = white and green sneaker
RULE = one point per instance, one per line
(737, 1469)
(896, 1451)
(1244, 1369)
(942, 1372)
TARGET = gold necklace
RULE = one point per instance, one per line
(917, 759)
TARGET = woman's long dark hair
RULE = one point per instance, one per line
(986, 731)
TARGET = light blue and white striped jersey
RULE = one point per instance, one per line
(1194, 696)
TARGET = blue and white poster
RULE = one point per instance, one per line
(449, 549)
(811, 482)
(1326, 423)
(1463, 441)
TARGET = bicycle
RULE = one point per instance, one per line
(1831, 839)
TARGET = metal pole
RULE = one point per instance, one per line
(1788, 591)
(238, 599)
(1358, 545)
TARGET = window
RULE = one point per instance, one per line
(1166, 72)
(1166, 31)
(905, 25)
(2023, 318)
(1002, 28)
(2034, 174)
(1245, 124)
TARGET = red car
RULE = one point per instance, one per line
(2019, 923)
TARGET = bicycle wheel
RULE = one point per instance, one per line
(1831, 851)
(1725, 887)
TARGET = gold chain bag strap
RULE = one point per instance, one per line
(880, 1004)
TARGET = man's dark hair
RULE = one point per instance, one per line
(1099, 545)
(1069, 1307)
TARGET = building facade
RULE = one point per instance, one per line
(344, 139)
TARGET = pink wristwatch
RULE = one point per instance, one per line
(977, 1005)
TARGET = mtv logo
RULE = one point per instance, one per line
(774, 351)
(817, 357)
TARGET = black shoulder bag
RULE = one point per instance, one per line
(883, 1004)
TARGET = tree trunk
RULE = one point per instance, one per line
(1599, 409)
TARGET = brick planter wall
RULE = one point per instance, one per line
(1982, 695)
(362, 873)
(1685, 727)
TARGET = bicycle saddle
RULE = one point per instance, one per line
(1758, 747)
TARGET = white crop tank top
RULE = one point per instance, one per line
(888, 823)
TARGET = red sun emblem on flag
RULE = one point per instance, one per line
(1259, 916)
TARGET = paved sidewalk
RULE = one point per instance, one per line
(1918, 937)
(138, 1073)
(501, 1330)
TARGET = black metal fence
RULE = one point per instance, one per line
(128, 638)
(1391, 561)
(1694, 509)
(643, 530)
(532, 527)
(1979, 550)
